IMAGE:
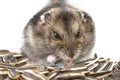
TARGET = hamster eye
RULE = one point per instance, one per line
(78, 34)
(56, 36)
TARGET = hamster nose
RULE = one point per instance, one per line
(70, 53)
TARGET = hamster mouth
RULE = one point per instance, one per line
(52, 58)
(68, 60)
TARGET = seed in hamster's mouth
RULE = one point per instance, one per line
(51, 58)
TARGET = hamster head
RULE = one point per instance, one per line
(65, 32)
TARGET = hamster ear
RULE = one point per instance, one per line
(87, 21)
(46, 16)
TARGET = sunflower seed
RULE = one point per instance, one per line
(50, 69)
(18, 55)
(22, 70)
(102, 67)
(13, 74)
(116, 67)
(2, 69)
(92, 62)
(7, 66)
(100, 74)
(70, 75)
(77, 69)
(98, 67)
(85, 62)
(91, 67)
(31, 75)
(21, 62)
(52, 75)
(108, 67)
(119, 64)
(4, 50)
(2, 54)
(44, 72)
(10, 59)
(103, 60)
(4, 72)
(1, 59)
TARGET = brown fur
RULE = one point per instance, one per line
(39, 40)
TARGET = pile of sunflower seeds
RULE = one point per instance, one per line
(13, 66)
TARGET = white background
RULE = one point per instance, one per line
(14, 15)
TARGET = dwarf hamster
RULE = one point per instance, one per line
(58, 31)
